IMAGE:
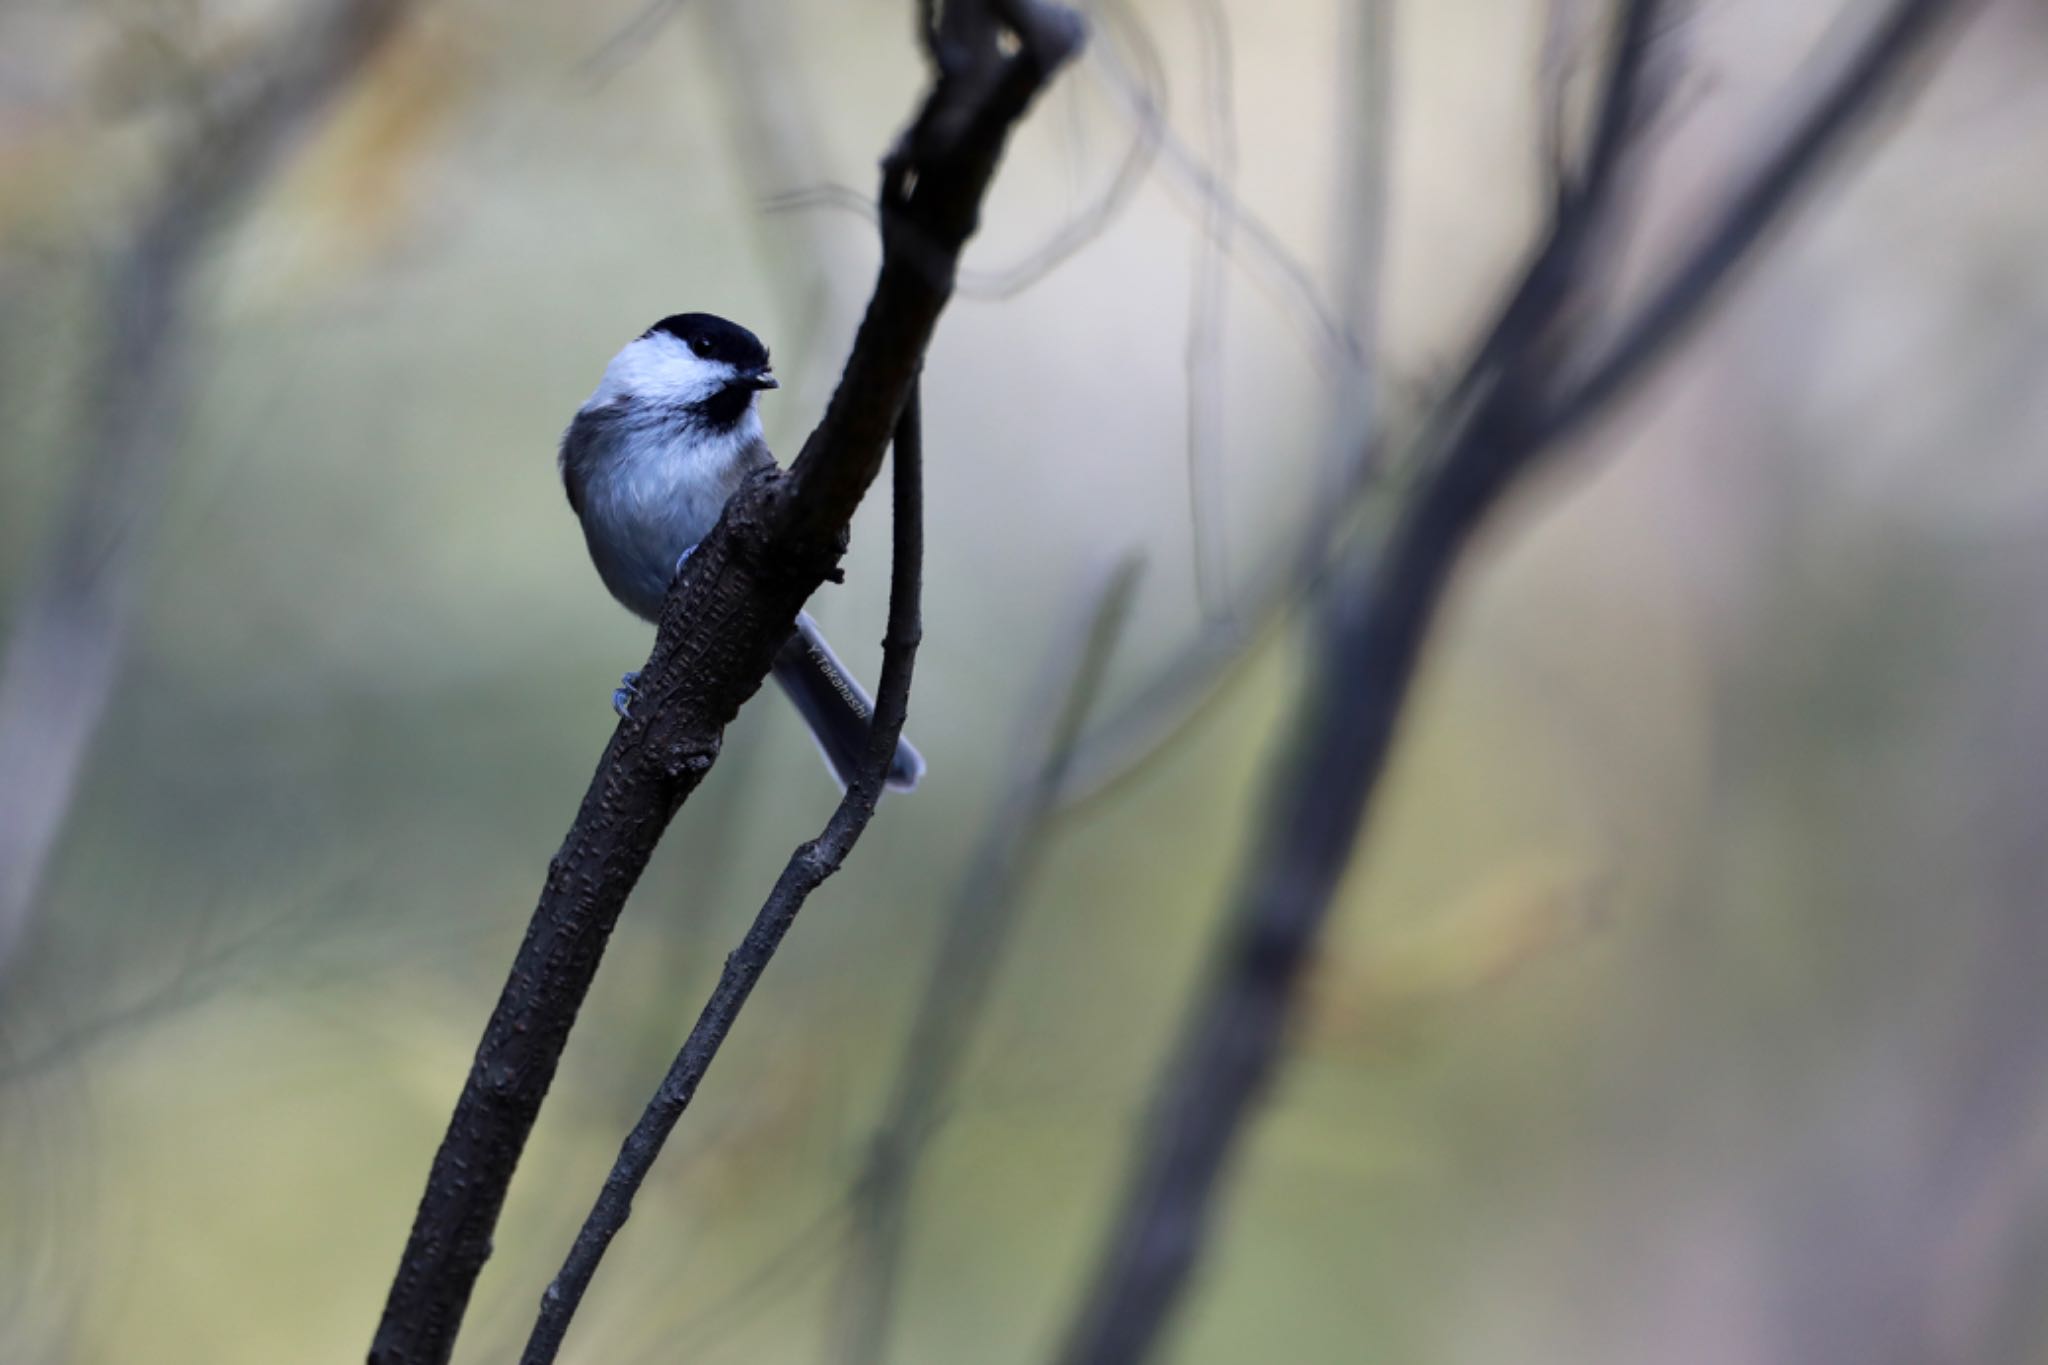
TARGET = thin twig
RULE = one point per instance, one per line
(1194, 675)
(1359, 229)
(1084, 226)
(1270, 264)
(995, 284)
(778, 1275)
(1208, 296)
(629, 40)
(777, 143)
(1379, 611)
(806, 870)
(978, 922)
(1286, 280)
(728, 613)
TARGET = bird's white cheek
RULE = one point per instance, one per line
(659, 369)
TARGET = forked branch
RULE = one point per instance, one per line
(727, 614)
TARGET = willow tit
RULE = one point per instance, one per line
(649, 461)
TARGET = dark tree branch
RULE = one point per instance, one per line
(1552, 286)
(983, 910)
(1379, 610)
(1551, 294)
(1780, 178)
(1198, 672)
(977, 927)
(730, 610)
(806, 870)
(71, 627)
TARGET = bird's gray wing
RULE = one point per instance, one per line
(582, 449)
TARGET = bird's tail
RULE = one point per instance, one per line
(836, 708)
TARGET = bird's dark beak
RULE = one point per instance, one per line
(763, 378)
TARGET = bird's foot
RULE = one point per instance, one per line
(683, 559)
(625, 694)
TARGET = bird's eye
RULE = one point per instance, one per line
(701, 345)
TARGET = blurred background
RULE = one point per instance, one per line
(1684, 1002)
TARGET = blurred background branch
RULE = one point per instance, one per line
(1376, 617)
(973, 935)
(1207, 318)
(62, 654)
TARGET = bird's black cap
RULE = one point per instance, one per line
(714, 338)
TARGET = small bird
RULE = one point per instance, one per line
(649, 462)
